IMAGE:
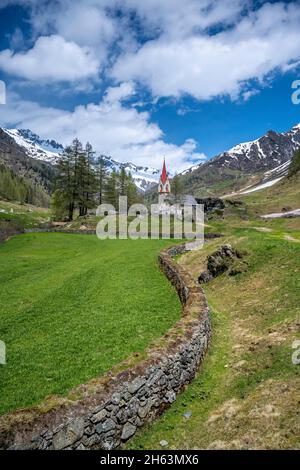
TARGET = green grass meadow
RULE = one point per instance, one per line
(72, 306)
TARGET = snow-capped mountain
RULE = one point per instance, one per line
(35, 147)
(191, 169)
(267, 157)
(144, 177)
(269, 152)
(49, 151)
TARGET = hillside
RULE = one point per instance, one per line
(22, 177)
(27, 154)
(245, 165)
(284, 196)
(245, 396)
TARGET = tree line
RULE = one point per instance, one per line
(17, 188)
(83, 182)
(295, 164)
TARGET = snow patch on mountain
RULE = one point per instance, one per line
(191, 169)
(241, 149)
(50, 151)
(268, 184)
(35, 147)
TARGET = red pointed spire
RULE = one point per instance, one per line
(164, 174)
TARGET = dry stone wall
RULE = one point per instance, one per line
(106, 412)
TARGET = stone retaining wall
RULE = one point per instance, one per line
(106, 412)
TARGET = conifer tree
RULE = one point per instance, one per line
(101, 177)
(295, 164)
(111, 193)
(177, 187)
(123, 182)
(131, 191)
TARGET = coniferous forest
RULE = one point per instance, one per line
(82, 183)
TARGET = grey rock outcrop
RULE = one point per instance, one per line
(226, 258)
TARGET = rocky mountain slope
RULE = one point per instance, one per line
(34, 147)
(251, 163)
(244, 167)
(16, 158)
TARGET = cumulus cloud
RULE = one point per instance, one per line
(177, 18)
(89, 26)
(205, 48)
(52, 59)
(110, 126)
(207, 66)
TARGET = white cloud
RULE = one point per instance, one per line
(89, 26)
(204, 48)
(112, 128)
(52, 59)
(177, 18)
(209, 66)
(119, 93)
(182, 57)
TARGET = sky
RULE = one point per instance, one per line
(144, 80)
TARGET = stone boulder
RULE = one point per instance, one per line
(211, 204)
(225, 259)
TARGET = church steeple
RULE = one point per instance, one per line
(164, 182)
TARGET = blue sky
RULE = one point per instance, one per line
(144, 80)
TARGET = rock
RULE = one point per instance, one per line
(170, 396)
(211, 204)
(116, 398)
(127, 397)
(205, 277)
(108, 425)
(164, 443)
(128, 431)
(138, 422)
(144, 410)
(136, 384)
(80, 447)
(69, 434)
(153, 380)
(143, 392)
(91, 441)
(99, 416)
(226, 258)
(122, 415)
(110, 443)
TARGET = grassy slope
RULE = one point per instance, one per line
(285, 194)
(247, 393)
(72, 306)
(23, 215)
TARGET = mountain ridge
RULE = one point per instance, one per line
(266, 158)
(46, 150)
(248, 164)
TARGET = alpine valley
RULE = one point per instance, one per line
(33, 159)
(244, 168)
